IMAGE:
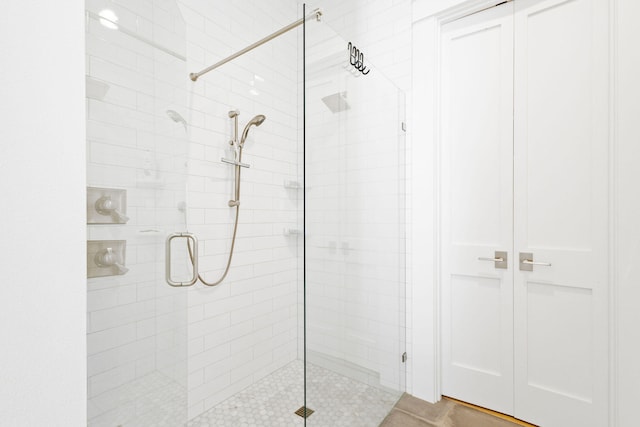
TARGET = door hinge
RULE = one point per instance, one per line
(404, 126)
(404, 357)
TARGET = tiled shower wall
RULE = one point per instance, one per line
(245, 328)
(382, 29)
(211, 341)
(355, 227)
(136, 324)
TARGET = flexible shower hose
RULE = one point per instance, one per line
(226, 270)
(233, 239)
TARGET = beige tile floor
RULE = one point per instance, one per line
(413, 412)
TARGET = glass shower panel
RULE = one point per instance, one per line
(136, 145)
(355, 239)
(245, 367)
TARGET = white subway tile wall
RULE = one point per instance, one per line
(355, 216)
(245, 328)
(137, 325)
(382, 30)
(211, 343)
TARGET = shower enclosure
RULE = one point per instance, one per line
(311, 312)
(354, 228)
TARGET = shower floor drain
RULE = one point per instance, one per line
(304, 412)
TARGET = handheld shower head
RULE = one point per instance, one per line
(257, 121)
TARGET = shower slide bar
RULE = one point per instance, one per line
(231, 162)
(317, 14)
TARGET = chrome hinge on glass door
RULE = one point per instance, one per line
(194, 259)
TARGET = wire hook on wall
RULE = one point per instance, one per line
(356, 58)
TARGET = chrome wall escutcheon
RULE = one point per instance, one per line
(194, 259)
(106, 258)
(500, 259)
(106, 206)
(527, 262)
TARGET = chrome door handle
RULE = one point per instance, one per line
(194, 259)
(499, 259)
(527, 262)
(491, 259)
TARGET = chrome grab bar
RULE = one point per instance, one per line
(194, 259)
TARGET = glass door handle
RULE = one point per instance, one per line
(194, 259)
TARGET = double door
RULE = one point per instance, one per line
(524, 203)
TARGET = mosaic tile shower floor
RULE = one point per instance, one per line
(153, 400)
(338, 401)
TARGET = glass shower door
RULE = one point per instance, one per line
(355, 239)
(136, 170)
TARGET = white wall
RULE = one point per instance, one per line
(627, 267)
(423, 9)
(424, 314)
(42, 248)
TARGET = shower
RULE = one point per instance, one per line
(337, 102)
(313, 309)
(237, 149)
(238, 146)
(257, 120)
(176, 117)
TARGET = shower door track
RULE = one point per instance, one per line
(315, 14)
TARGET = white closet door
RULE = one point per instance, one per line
(477, 205)
(560, 195)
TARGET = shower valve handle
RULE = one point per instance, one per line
(105, 206)
(107, 258)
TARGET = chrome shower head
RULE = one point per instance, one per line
(337, 102)
(176, 117)
(257, 121)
